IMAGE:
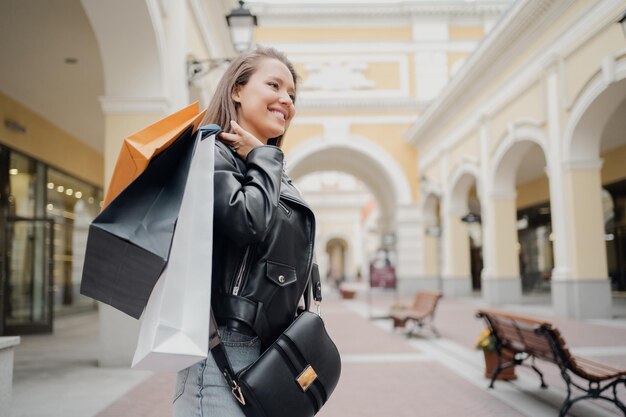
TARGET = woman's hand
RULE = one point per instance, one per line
(241, 141)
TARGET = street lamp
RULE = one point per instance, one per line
(471, 218)
(241, 24)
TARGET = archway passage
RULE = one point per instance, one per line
(613, 176)
(336, 250)
(524, 213)
(461, 226)
(595, 148)
(347, 229)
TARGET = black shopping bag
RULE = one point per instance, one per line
(129, 242)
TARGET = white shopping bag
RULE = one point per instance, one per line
(174, 332)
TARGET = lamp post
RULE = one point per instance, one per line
(241, 24)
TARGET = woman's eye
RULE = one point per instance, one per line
(273, 84)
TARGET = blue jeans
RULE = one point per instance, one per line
(201, 390)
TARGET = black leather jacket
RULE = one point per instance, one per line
(263, 243)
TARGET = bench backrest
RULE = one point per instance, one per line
(525, 335)
(426, 301)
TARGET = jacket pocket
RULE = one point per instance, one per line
(280, 274)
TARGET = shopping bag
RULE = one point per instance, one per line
(139, 148)
(174, 331)
(129, 242)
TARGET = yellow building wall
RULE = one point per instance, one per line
(389, 137)
(386, 75)
(613, 167)
(526, 106)
(533, 193)
(515, 66)
(299, 133)
(49, 143)
(538, 191)
(578, 71)
(334, 34)
(469, 147)
(456, 33)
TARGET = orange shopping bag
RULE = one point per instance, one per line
(139, 148)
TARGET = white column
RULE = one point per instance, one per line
(7, 349)
(408, 236)
(501, 283)
(500, 279)
(456, 274)
(580, 285)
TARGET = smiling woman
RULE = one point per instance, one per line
(263, 229)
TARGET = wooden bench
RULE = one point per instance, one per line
(422, 311)
(530, 339)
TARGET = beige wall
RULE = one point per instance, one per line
(299, 133)
(335, 34)
(465, 32)
(533, 193)
(538, 191)
(613, 167)
(49, 143)
(389, 137)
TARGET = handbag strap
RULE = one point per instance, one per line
(313, 290)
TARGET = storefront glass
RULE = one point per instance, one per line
(44, 219)
(72, 204)
(536, 257)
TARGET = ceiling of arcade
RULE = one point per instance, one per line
(51, 64)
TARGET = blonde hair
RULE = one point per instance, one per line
(222, 108)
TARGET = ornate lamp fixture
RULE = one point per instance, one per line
(241, 24)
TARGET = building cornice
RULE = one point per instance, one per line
(396, 9)
(361, 103)
(514, 31)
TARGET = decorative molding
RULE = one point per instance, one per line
(585, 25)
(513, 32)
(347, 76)
(373, 119)
(112, 105)
(293, 49)
(361, 103)
(583, 165)
(391, 9)
(503, 195)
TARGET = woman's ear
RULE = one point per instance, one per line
(236, 94)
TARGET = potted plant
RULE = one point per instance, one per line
(487, 342)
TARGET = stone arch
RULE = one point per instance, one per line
(465, 175)
(133, 50)
(512, 150)
(359, 157)
(592, 110)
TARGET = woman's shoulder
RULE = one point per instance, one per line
(224, 155)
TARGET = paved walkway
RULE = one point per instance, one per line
(384, 373)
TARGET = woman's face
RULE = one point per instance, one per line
(266, 101)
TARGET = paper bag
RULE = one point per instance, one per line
(174, 332)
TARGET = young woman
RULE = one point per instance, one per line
(263, 230)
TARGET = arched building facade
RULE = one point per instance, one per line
(536, 118)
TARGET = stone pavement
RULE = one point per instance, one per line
(384, 373)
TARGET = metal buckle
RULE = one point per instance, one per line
(236, 390)
(319, 308)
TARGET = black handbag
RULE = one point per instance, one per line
(295, 376)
